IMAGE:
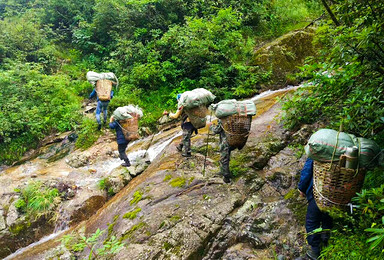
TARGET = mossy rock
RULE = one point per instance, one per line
(283, 56)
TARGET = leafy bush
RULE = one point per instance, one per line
(87, 133)
(37, 200)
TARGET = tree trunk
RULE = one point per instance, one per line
(333, 17)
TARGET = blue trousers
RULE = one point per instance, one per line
(101, 106)
(316, 219)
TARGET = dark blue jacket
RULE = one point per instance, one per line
(119, 132)
(94, 94)
(306, 179)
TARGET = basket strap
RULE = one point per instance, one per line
(323, 197)
(334, 150)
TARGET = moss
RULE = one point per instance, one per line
(175, 218)
(132, 231)
(206, 197)
(16, 229)
(178, 182)
(111, 226)
(137, 196)
(191, 180)
(291, 194)
(167, 246)
(132, 214)
(167, 177)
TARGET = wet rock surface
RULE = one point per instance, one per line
(171, 209)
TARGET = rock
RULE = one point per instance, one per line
(284, 56)
(78, 160)
(2, 220)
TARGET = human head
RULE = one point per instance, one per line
(178, 96)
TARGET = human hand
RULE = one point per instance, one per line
(111, 119)
(165, 113)
(302, 194)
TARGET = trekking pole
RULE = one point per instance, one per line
(206, 150)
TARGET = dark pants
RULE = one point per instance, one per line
(316, 219)
(122, 155)
(188, 130)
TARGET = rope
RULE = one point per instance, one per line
(321, 195)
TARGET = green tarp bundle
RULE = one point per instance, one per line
(122, 113)
(233, 107)
(196, 98)
(328, 143)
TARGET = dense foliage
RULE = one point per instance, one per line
(348, 75)
(157, 48)
(347, 88)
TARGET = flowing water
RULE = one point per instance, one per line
(156, 144)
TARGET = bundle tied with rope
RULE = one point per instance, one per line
(236, 119)
(128, 119)
(103, 82)
(195, 103)
(340, 163)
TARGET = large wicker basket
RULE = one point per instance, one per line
(335, 186)
(103, 89)
(130, 128)
(197, 116)
(237, 129)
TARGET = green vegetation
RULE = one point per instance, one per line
(348, 83)
(46, 48)
(178, 182)
(77, 243)
(348, 89)
(37, 200)
(137, 196)
(132, 214)
(105, 184)
(132, 231)
(167, 177)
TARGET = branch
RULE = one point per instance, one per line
(333, 17)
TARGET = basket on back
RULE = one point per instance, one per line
(236, 119)
(128, 118)
(237, 129)
(103, 89)
(335, 186)
(197, 116)
(195, 104)
(130, 128)
(337, 175)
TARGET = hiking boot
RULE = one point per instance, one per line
(186, 154)
(99, 127)
(227, 179)
(126, 164)
(313, 254)
(179, 147)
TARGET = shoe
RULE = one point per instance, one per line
(179, 147)
(226, 179)
(126, 164)
(312, 254)
(186, 154)
(99, 127)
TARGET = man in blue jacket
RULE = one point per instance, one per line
(101, 106)
(315, 218)
(122, 143)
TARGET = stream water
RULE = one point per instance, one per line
(154, 149)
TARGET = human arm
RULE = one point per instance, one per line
(92, 94)
(215, 129)
(306, 176)
(177, 114)
(113, 124)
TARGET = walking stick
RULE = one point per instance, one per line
(206, 150)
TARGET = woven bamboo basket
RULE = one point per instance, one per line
(237, 129)
(103, 89)
(197, 116)
(130, 128)
(335, 186)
